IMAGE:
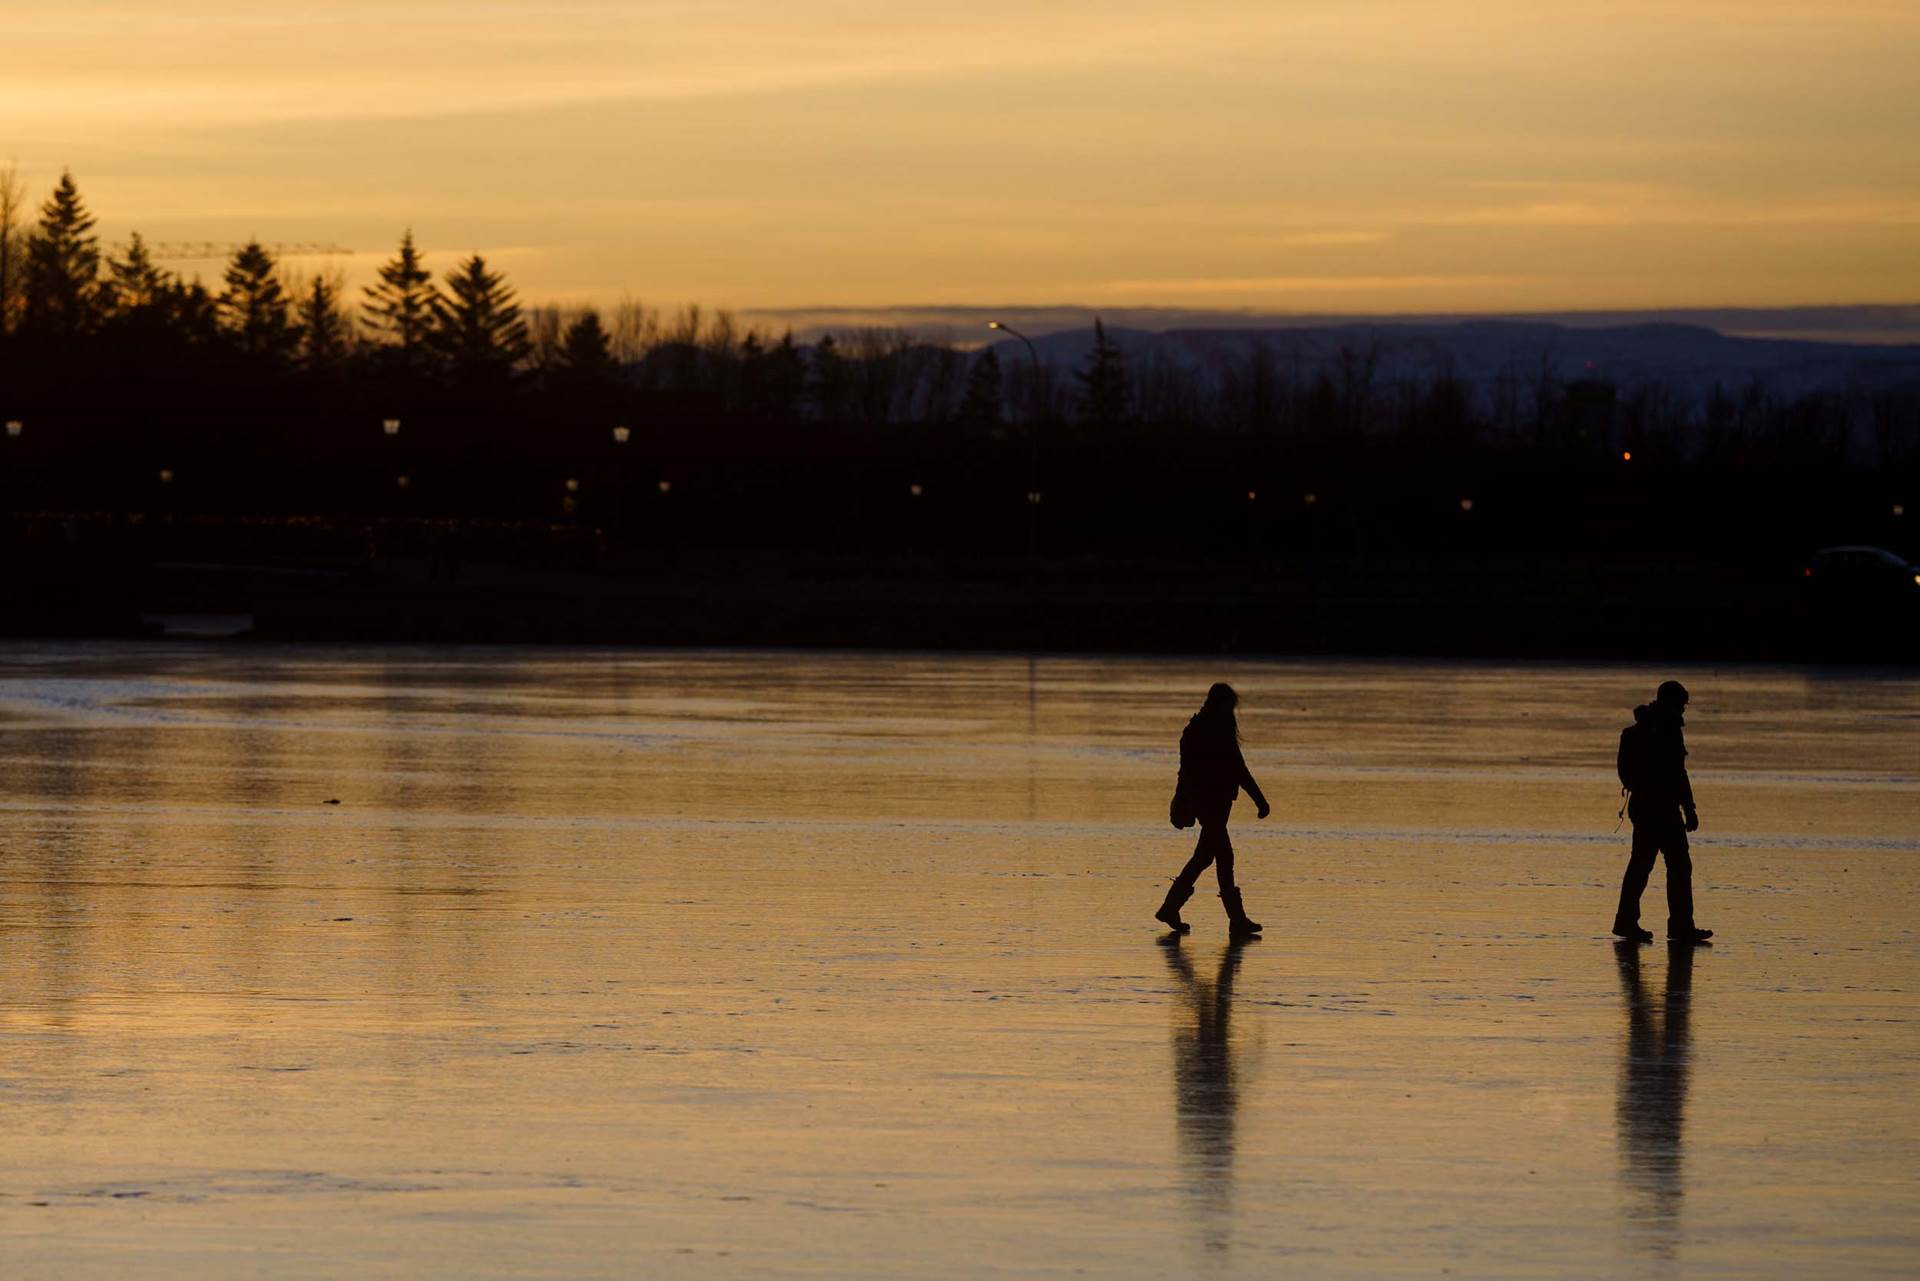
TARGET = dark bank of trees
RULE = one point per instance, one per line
(275, 393)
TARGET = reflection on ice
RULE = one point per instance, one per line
(1206, 1086)
(1652, 1104)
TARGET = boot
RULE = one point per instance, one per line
(1631, 930)
(1169, 913)
(1238, 926)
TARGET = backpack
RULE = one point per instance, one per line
(1630, 763)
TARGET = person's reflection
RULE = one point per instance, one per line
(1653, 1097)
(1206, 1088)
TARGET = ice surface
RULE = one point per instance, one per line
(777, 965)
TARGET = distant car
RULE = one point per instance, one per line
(1862, 574)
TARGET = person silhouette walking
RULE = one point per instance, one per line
(1212, 774)
(1653, 769)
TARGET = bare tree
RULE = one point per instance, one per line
(633, 330)
(13, 203)
(546, 328)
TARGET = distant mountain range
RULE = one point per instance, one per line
(1786, 351)
(1871, 324)
(1688, 359)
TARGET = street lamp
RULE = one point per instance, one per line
(1033, 353)
(15, 427)
(622, 434)
(391, 426)
(166, 475)
(1033, 433)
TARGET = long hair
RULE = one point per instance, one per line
(1216, 714)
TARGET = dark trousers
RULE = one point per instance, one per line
(1213, 847)
(1667, 835)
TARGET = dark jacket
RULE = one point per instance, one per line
(1212, 772)
(1653, 763)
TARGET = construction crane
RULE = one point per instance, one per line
(181, 250)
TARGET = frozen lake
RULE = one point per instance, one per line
(777, 965)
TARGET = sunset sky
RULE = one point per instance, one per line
(1363, 155)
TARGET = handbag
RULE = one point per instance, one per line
(1180, 812)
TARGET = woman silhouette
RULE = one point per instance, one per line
(1212, 772)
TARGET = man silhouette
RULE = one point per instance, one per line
(1653, 769)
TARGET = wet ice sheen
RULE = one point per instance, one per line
(613, 965)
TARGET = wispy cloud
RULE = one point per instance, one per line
(757, 152)
(1549, 204)
(1210, 286)
(1315, 239)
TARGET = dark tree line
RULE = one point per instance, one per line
(266, 391)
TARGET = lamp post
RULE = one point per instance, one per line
(621, 435)
(1033, 438)
(14, 428)
(1033, 353)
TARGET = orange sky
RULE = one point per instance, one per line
(1368, 155)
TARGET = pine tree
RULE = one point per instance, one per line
(135, 282)
(980, 406)
(400, 309)
(254, 307)
(324, 324)
(62, 269)
(786, 380)
(752, 395)
(192, 314)
(477, 327)
(1103, 383)
(585, 350)
(829, 381)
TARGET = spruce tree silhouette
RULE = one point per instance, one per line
(325, 328)
(980, 406)
(254, 308)
(829, 384)
(586, 353)
(400, 307)
(134, 281)
(785, 382)
(62, 273)
(1102, 400)
(477, 328)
